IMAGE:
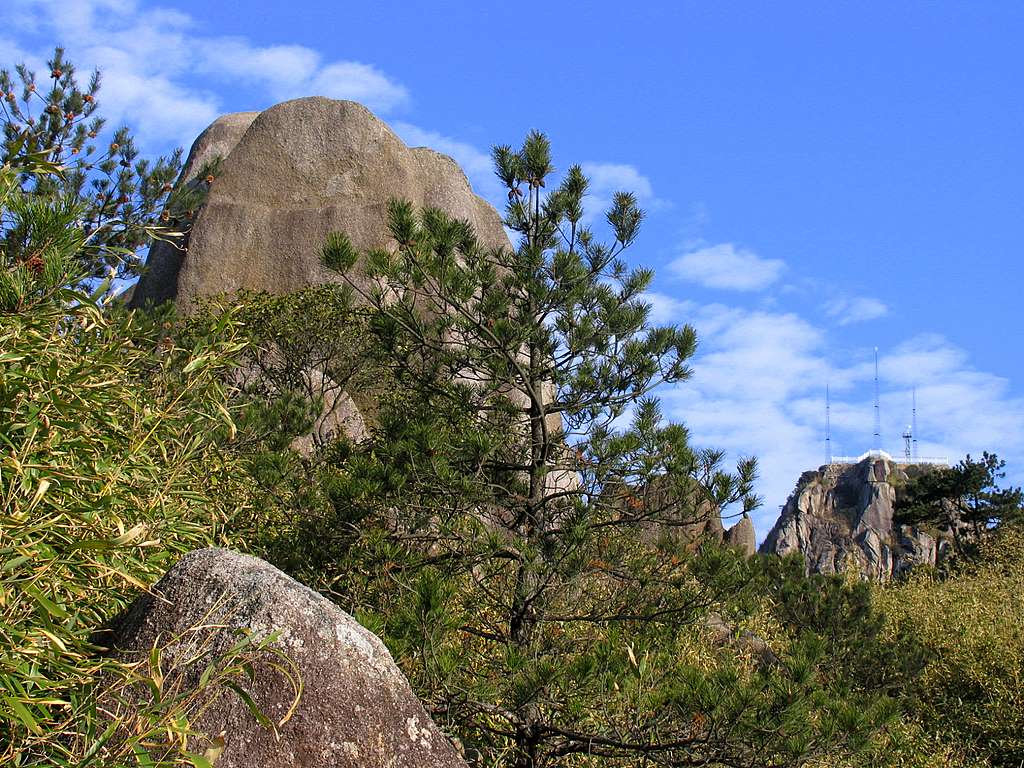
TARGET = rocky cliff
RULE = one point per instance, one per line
(286, 178)
(841, 515)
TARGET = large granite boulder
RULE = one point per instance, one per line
(160, 281)
(289, 176)
(841, 516)
(356, 707)
(339, 415)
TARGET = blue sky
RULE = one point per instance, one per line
(821, 178)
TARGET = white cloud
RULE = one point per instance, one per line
(758, 388)
(153, 58)
(752, 375)
(668, 309)
(292, 71)
(608, 178)
(855, 310)
(921, 359)
(960, 409)
(357, 82)
(605, 178)
(728, 267)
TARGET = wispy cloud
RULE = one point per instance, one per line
(667, 309)
(605, 178)
(758, 388)
(152, 59)
(846, 310)
(727, 267)
(290, 71)
(608, 178)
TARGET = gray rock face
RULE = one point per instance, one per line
(290, 175)
(356, 707)
(742, 536)
(339, 416)
(159, 284)
(721, 633)
(841, 516)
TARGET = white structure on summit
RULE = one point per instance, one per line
(940, 461)
(909, 435)
(828, 426)
(913, 419)
(878, 414)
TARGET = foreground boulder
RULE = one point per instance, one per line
(841, 516)
(287, 177)
(356, 707)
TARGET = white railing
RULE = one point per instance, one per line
(939, 461)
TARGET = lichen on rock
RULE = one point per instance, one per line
(355, 708)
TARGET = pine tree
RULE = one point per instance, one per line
(522, 528)
(965, 500)
(122, 199)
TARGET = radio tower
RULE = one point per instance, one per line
(828, 427)
(913, 422)
(878, 415)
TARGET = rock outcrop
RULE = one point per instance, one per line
(722, 633)
(160, 281)
(670, 512)
(356, 707)
(841, 516)
(285, 178)
(742, 536)
(288, 176)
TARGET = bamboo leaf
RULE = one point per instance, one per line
(261, 718)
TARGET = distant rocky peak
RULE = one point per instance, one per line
(840, 516)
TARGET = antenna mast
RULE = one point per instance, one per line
(913, 422)
(878, 415)
(828, 426)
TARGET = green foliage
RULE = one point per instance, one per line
(118, 196)
(969, 701)
(109, 469)
(44, 267)
(965, 500)
(522, 525)
(308, 361)
(837, 619)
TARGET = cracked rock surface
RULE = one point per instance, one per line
(842, 516)
(356, 707)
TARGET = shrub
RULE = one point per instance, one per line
(971, 695)
(109, 468)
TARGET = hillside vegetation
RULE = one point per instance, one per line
(517, 523)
